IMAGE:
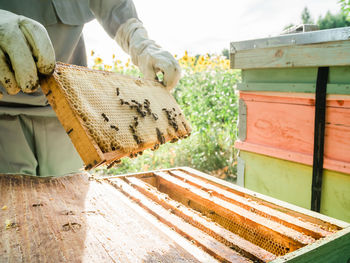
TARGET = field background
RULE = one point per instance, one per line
(206, 94)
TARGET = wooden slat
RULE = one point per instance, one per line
(305, 214)
(207, 242)
(281, 234)
(272, 214)
(313, 55)
(190, 216)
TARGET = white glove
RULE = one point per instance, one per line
(146, 54)
(25, 49)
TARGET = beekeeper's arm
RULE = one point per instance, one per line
(119, 19)
(25, 49)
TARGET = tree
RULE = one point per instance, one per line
(340, 19)
(306, 16)
(333, 21)
(225, 52)
(345, 7)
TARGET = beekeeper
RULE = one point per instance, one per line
(33, 35)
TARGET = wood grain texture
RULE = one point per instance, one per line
(72, 219)
(324, 54)
(282, 127)
(291, 182)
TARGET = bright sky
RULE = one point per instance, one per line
(203, 26)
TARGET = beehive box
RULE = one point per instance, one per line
(108, 115)
(277, 114)
(173, 215)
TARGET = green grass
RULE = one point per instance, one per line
(209, 101)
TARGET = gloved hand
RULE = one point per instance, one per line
(25, 49)
(146, 54)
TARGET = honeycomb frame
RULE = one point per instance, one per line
(109, 115)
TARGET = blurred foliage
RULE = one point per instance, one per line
(333, 21)
(306, 16)
(226, 53)
(206, 94)
(345, 7)
(340, 19)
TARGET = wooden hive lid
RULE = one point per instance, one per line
(317, 48)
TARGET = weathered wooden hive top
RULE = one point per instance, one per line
(317, 48)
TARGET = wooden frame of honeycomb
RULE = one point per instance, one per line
(108, 115)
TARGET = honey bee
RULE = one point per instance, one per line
(174, 140)
(155, 116)
(68, 132)
(184, 124)
(137, 139)
(155, 147)
(160, 136)
(142, 113)
(114, 127)
(105, 117)
(113, 163)
(132, 129)
(148, 110)
(88, 167)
